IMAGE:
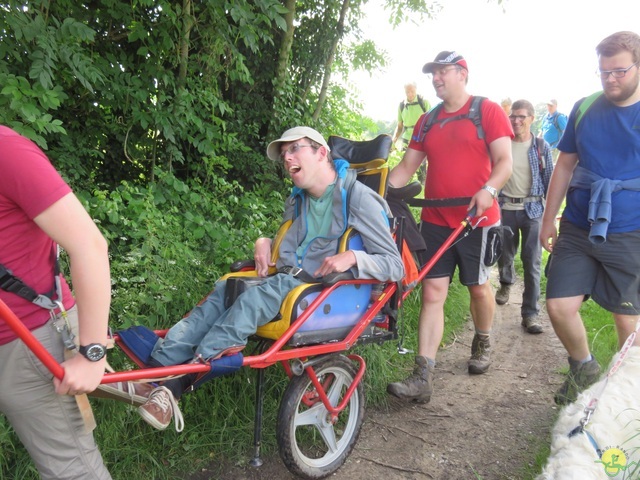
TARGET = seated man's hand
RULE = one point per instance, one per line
(262, 256)
(336, 263)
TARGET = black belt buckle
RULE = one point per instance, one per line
(299, 273)
(516, 200)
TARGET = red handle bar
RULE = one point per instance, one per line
(32, 342)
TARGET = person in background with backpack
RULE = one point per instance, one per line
(320, 211)
(409, 111)
(597, 252)
(521, 205)
(553, 126)
(469, 156)
(38, 211)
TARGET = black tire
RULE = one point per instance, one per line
(309, 445)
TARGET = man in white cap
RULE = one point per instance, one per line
(306, 253)
(468, 143)
(553, 125)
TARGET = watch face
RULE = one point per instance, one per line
(95, 352)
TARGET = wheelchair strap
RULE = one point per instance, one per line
(438, 202)
(12, 284)
(298, 273)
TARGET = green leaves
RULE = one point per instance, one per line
(178, 237)
(53, 56)
(187, 87)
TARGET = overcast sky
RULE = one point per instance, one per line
(532, 49)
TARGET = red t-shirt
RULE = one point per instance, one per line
(458, 161)
(28, 186)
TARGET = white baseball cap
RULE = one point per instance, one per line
(291, 135)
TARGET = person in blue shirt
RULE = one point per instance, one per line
(553, 126)
(597, 252)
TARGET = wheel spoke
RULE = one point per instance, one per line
(312, 416)
(329, 436)
(335, 390)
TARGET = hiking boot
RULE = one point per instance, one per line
(480, 354)
(502, 295)
(532, 324)
(159, 409)
(418, 387)
(133, 393)
(580, 376)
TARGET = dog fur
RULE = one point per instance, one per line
(615, 423)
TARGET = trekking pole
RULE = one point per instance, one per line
(30, 340)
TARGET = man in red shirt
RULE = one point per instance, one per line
(467, 165)
(38, 211)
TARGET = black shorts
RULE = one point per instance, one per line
(608, 272)
(467, 253)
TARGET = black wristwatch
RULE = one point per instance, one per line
(93, 352)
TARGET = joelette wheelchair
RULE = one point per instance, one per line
(322, 409)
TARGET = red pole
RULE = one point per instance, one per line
(447, 243)
(27, 337)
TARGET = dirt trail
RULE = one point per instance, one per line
(474, 427)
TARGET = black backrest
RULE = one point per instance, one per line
(368, 158)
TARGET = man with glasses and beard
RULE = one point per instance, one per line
(521, 205)
(469, 160)
(597, 251)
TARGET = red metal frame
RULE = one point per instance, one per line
(447, 243)
(277, 352)
(32, 342)
(335, 411)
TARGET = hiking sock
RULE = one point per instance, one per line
(179, 385)
(587, 360)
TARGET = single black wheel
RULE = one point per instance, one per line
(311, 445)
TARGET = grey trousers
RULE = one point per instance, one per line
(528, 230)
(210, 328)
(49, 425)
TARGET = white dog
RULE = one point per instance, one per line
(609, 446)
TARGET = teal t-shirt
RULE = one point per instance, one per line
(319, 217)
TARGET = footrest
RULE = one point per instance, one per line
(219, 367)
(138, 342)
